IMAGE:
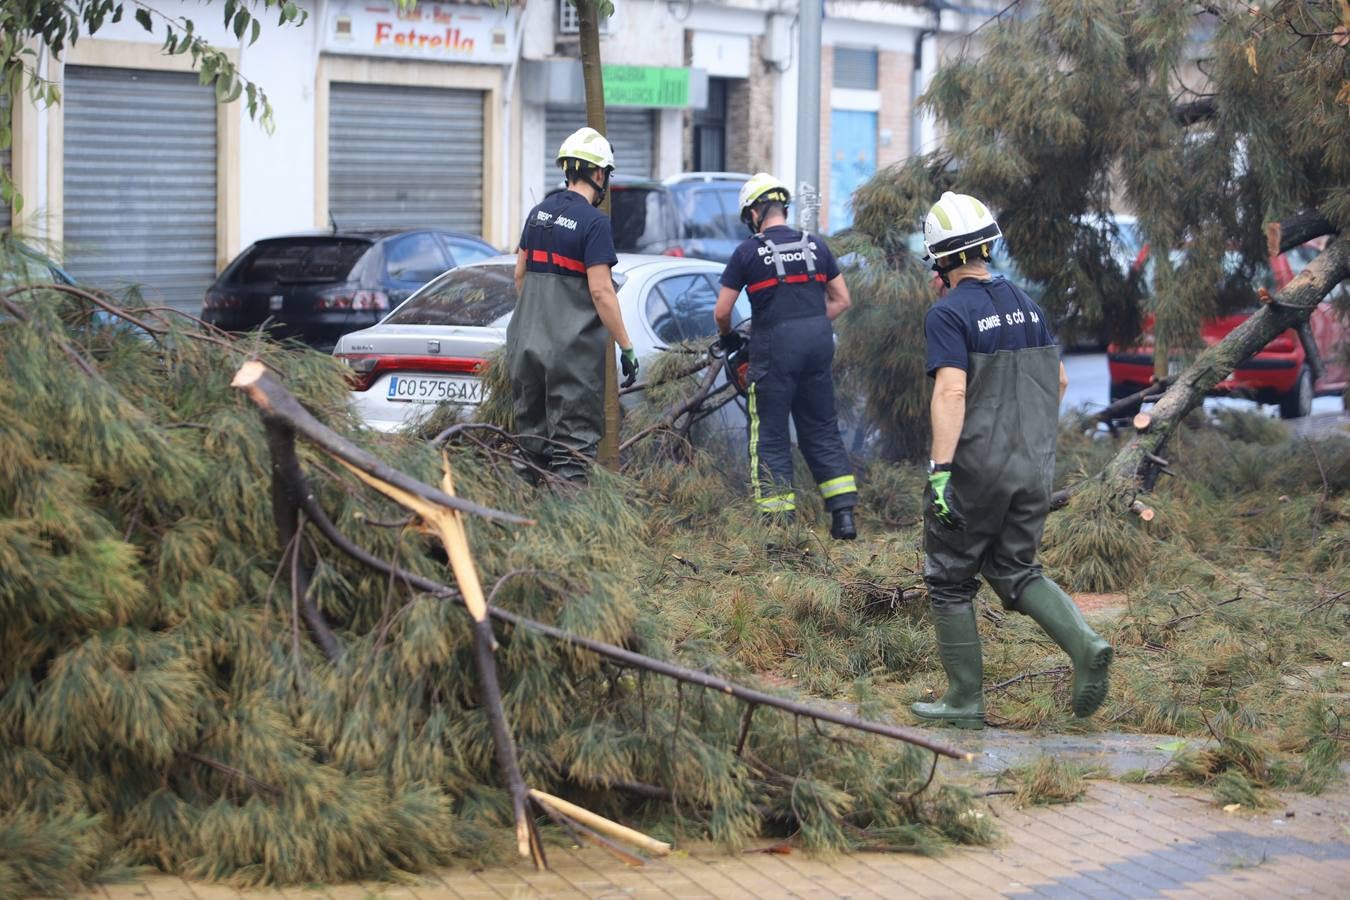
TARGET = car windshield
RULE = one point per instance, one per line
(474, 295)
(639, 217)
(308, 259)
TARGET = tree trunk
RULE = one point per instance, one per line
(1132, 469)
(593, 77)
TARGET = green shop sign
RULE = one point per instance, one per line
(650, 86)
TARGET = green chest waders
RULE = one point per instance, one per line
(555, 355)
(1002, 477)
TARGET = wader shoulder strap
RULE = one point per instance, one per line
(776, 251)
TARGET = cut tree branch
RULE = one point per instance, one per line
(286, 474)
(1131, 469)
(264, 390)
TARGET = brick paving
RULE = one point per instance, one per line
(1122, 841)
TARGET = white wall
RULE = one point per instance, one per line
(276, 171)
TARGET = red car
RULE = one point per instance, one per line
(1277, 374)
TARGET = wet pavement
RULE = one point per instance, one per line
(1120, 841)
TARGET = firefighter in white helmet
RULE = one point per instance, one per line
(796, 291)
(555, 344)
(998, 382)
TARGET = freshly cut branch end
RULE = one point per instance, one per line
(1142, 421)
(601, 824)
(248, 374)
(1143, 510)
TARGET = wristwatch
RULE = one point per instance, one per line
(938, 467)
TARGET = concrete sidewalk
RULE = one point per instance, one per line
(1121, 841)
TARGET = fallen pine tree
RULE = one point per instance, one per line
(195, 678)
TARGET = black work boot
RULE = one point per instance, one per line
(958, 640)
(841, 526)
(1058, 615)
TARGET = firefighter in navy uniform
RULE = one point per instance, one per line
(998, 383)
(795, 291)
(555, 343)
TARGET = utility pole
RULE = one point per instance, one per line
(592, 74)
(807, 194)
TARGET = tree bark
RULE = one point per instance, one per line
(1297, 229)
(1133, 467)
(286, 515)
(593, 79)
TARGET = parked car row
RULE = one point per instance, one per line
(430, 349)
(317, 287)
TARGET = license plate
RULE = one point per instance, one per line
(429, 389)
(274, 302)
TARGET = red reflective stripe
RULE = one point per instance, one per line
(539, 256)
(566, 262)
(790, 279)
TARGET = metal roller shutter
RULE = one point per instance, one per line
(5, 161)
(405, 156)
(631, 134)
(140, 182)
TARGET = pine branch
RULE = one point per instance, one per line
(619, 654)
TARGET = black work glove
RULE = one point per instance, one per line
(731, 341)
(943, 503)
(629, 361)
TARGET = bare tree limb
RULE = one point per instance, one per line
(264, 390)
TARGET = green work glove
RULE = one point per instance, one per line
(944, 501)
(628, 359)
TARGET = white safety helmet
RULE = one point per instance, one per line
(761, 187)
(956, 223)
(588, 146)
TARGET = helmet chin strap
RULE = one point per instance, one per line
(600, 189)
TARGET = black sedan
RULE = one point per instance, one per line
(317, 287)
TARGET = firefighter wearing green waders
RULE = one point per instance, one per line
(998, 382)
(555, 343)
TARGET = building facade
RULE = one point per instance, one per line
(445, 115)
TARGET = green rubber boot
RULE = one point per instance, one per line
(1058, 615)
(958, 640)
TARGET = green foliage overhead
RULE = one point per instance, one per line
(26, 25)
(1206, 120)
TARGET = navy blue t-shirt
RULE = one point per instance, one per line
(751, 264)
(565, 235)
(982, 317)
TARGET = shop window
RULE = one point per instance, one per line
(710, 129)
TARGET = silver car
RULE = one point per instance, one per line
(429, 349)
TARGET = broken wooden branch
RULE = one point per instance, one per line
(286, 517)
(439, 511)
(581, 833)
(688, 406)
(601, 824)
(1129, 405)
(255, 380)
